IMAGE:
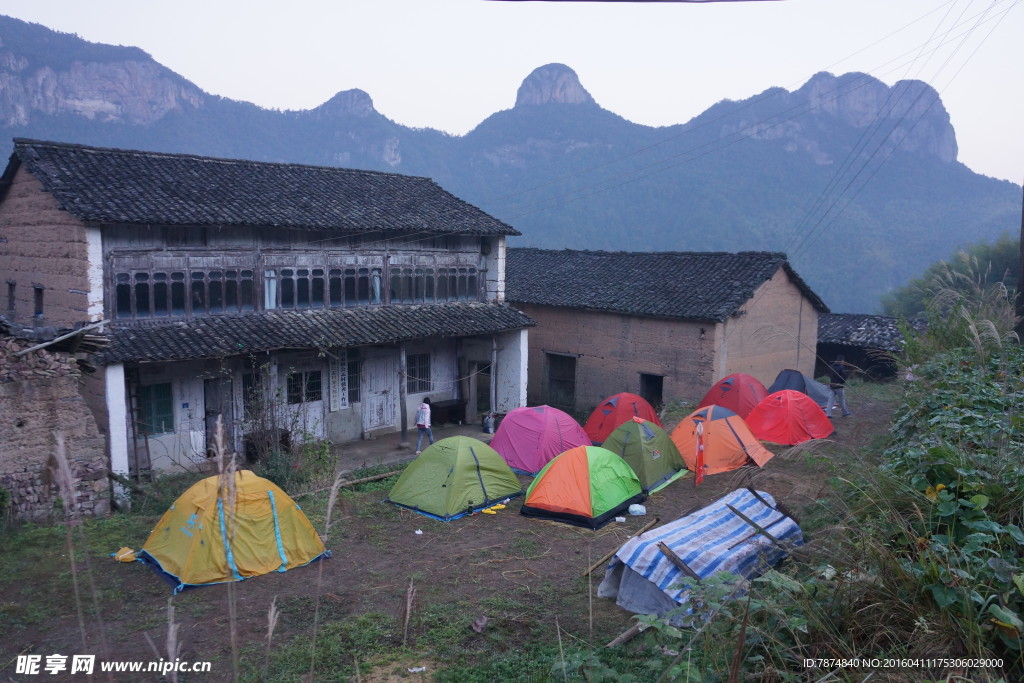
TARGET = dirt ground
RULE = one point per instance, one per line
(522, 574)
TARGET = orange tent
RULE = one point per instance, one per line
(789, 417)
(616, 410)
(738, 392)
(715, 439)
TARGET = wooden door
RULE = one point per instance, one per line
(379, 391)
(219, 402)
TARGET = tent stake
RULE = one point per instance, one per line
(607, 557)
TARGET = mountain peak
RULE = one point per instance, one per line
(552, 84)
(353, 102)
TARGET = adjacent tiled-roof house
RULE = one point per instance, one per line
(230, 285)
(871, 343)
(664, 325)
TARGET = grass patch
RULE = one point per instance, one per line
(370, 639)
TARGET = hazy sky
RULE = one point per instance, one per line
(448, 64)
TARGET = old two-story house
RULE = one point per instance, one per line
(663, 325)
(341, 297)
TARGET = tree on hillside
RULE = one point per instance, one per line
(984, 264)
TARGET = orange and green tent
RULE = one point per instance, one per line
(585, 486)
(220, 531)
(649, 450)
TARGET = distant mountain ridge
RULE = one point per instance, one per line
(858, 182)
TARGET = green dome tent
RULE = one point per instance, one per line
(585, 486)
(453, 477)
(649, 450)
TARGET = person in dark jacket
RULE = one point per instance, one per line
(838, 372)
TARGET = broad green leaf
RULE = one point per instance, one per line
(1006, 616)
(943, 596)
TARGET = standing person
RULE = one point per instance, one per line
(838, 371)
(423, 423)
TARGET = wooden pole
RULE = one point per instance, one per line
(750, 536)
(1019, 308)
(349, 483)
(403, 411)
(678, 561)
(609, 555)
(366, 479)
(494, 375)
(61, 338)
(633, 632)
(760, 529)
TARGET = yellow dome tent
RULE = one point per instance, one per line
(214, 535)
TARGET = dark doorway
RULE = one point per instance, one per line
(218, 399)
(482, 387)
(651, 387)
(561, 380)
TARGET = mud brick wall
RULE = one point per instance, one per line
(42, 245)
(40, 395)
(775, 330)
(613, 349)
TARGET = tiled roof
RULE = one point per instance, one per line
(864, 331)
(99, 185)
(218, 336)
(688, 285)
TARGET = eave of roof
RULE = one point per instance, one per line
(698, 286)
(113, 186)
(863, 330)
(220, 336)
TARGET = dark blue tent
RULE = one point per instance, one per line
(797, 381)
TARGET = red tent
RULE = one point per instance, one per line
(615, 410)
(788, 417)
(528, 438)
(738, 392)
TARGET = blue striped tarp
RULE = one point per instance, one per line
(703, 540)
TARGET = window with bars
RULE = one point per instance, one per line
(354, 368)
(305, 386)
(417, 368)
(155, 409)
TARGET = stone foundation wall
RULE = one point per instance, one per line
(39, 399)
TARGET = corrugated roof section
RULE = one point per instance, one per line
(688, 285)
(99, 185)
(219, 336)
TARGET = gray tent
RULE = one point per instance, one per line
(797, 381)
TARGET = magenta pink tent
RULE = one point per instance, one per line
(528, 438)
